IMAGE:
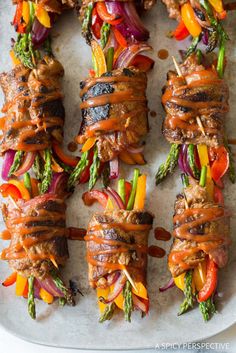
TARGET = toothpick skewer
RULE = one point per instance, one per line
(13, 202)
(129, 278)
(199, 122)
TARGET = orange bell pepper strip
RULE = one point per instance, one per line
(25, 195)
(99, 57)
(112, 19)
(2, 123)
(217, 5)
(190, 21)
(21, 282)
(119, 301)
(10, 190)
(138, 158)
(26, 291)
(9, 281)
(17, 23)
(5, 235)
(56, 167)
(119, 37)
(34, 187)
(90, 197)
(126, 158)
(140, 196)
(69, 160)
(117, 53)
(45, 296)
(26, 12)
(89, 144)
(141, 290)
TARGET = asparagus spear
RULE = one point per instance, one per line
(38, 167)
(108, 312)
(105, 32)
(82, 164)
(121, 189)
(31, 303)
(94, 169)
(27, 182)
(133, 191)
(110, 57)
(232, 174)
(16, 163)
(23, 49)
(60, 285)
(189, 299)
(169, 165)
(193, 45)
(105, 175)
(128, 302)
(86, 25)
(47, 174)
(207, 308)
(191, 161)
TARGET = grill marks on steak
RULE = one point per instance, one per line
(137, 261)
(208, 100)
(38, 229)
(33, 106)
(130, 114)
(197, 198)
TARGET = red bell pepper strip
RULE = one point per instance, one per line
(143, 63)
(10, 190)
(181, 32)
(218, 195)
(84, 177)
(96, 23)
(220, 164)
(119, 37)
(90, 197)
(128, 188)
(18, 20)
(112, 19)
(211, 281)
(9, 281)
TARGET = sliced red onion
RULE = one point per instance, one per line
(58, 184)
(168, 285)
(114, 168)
(37, 288)
(135, 149)
(183, 160)
(131, 27)
(112, 278)
(27, 163)
(50, 287)
(7, 163)
(205, 37)
(39, 33)
(127, 55)
(116, 197)
(118, 287)
(141, 305)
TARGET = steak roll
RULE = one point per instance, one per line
(200, 230)
(55, 6)
(114, 110)
(34, 112)
(199, 95)
(38, 235)
(115, 239)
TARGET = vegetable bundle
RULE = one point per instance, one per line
(117, 246)
(114, 108)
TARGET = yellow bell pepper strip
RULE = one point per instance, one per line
(45, 296)
(26, 12)
(140, 193)
(217, 5)
(43, 16)
(204, 160)
(99, 58)
(14, 59)
(23, 190)
(190, 21)
(109, 206)
(141, 290)
(21, 282)
(119, 301)
(102, 293)
(138, 158)
(180, 282)
(199, 275)
(89, 144)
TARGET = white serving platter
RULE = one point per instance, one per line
(78, 327)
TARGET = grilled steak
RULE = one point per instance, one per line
(114, 109)
(38, 235)
(116, 238)
(198, 95)
(200, 230)
(33, 106)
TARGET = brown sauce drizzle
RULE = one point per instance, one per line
(76, 233)
(163, 54)
(72, 146)
(162, 234)
(156, 251)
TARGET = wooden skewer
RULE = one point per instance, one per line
(199, 122)
(129, 278)
(13, 202)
